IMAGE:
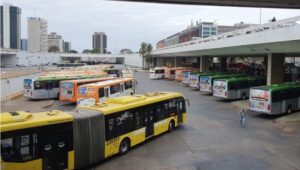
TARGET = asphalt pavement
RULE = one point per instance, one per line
(212, 138)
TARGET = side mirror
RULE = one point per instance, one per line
(188, 102)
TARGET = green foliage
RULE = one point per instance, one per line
(145, 52)
(86, 51)
(95, 50)
(53, 49)
(73, 51)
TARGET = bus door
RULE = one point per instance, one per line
(149, 123)
(49, 89)
(104, 94)
(54, 151)
(180, 110)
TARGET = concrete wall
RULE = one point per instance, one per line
(13, 87)
(34, 59)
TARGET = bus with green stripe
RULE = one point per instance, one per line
(194, 78)
(47, 87)
(236, 87)
(275, 99)
(206, 82)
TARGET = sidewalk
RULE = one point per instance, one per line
(24, 104)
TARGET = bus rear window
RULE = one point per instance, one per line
(27, 83)
(39, 85)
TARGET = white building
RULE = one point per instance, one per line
(55, 40)
(37, 34)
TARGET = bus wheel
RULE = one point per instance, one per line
(124, 146)
(171, 125)
(289, 109)
(243, 96)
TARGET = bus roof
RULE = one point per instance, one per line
(117, 104)
(22, 120)
(68, 77)
(88, 80)
(236, 79)
(105, 83)
(215, 76)
(280, 86)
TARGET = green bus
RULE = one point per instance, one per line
(275, 99)
(206, 82)
(236, 87)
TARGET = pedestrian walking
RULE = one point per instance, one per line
(242, 117)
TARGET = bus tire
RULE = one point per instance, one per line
(124, 146)
(244, 96)
(171, 125)
(289, 109)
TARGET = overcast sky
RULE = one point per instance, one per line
(127, 24)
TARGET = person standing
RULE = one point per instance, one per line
(242, 117)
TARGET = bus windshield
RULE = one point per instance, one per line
(67, 89)
(27, 83)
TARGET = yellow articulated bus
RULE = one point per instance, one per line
(60, 140)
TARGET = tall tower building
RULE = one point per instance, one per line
(100, 42)
(10, 26)
(37, 34)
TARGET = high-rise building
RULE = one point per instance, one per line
(24, 44)
(10, 26)
(67, 46)
(37, 34)
(100, 42)
(55, 40)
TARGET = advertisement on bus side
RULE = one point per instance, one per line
(193, 82)
(220, 88)
(260, 100)
(185, 77)
(205, 84)
(67, 89)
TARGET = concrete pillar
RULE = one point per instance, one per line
(223, 63)
(175, 61)
(275, 68)
(204, 63)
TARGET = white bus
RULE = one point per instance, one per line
(157, 73)
(237, 87)
(275, 99)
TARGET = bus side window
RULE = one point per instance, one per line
(128, 85)
(56, 84)
(276, 96)
(19, 148)
(101, 92)
(115, 88)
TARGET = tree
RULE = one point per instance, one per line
(95, 50)
(125, 51)
(53, 49)
(73, 51)
(86, 51)
(145, 52)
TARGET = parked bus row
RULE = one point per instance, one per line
(67, 87)
(61, 140)
(275, 99)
